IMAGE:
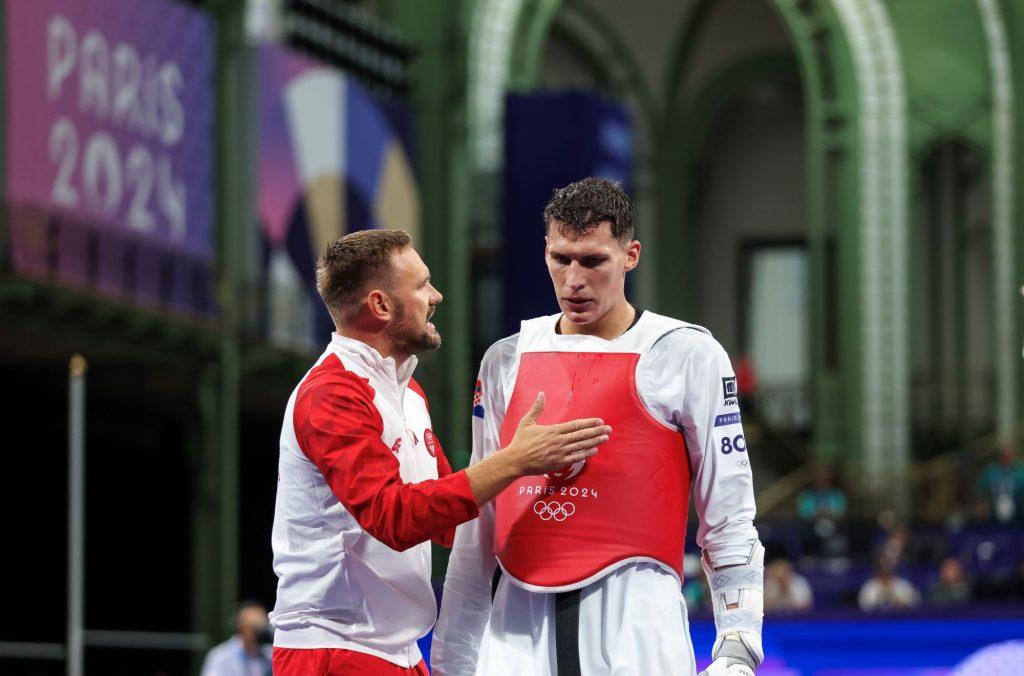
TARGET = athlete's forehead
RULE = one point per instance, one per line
(567, 242)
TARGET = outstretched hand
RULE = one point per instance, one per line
(546, 448)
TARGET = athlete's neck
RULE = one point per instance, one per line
(609, 327)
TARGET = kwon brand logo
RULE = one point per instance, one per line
(730, 391)
(553, 510)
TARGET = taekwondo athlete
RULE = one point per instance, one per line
(590, 556)
(363, 484)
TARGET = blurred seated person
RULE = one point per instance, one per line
(785, 590)
(1001, 487)
(894, 546)
(822, 499)
(822, 506)
(885, 591)
(248, 652)
(953, 587)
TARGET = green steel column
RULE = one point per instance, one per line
(234, 155)
(438, 31)
(203, 443)
(831, 197)
(1013, 14)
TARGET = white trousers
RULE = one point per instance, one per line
(633, 622)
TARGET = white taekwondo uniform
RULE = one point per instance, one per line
(632, 618)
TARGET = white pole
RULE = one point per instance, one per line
(76, 512)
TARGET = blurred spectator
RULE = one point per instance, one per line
(784, 589)
(822, 506)
(248, 652)
(885, 591)
(822, 499)
(746, 382)
(1001, 487)
(952, 588)
(894, 546)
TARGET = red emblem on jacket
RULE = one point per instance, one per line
(430, 441)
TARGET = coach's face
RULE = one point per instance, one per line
(415, 298)
(589, 270)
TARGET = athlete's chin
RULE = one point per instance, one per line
(577, 316)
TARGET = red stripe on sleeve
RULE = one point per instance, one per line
(339, 429)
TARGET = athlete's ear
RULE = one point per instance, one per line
(632, 255)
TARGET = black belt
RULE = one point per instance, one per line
(567, 632)
(567, 628)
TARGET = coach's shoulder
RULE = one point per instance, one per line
(331, 377)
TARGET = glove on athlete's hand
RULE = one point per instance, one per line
(721, 667)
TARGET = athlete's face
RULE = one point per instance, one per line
(589, 271)
(415, 299)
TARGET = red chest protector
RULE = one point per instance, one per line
(628, 503)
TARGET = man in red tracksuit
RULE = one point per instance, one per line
(364, 485)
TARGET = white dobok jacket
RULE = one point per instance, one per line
(633, 620)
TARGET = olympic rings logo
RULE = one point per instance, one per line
(553, 510)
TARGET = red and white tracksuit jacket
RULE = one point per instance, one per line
(363, 488)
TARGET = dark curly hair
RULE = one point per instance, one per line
(580, 207)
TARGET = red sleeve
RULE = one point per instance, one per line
(339, 429)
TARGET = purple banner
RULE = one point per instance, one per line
(110, 123)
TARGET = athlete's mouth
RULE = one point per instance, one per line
(577, 303)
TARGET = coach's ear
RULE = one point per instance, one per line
(380, 305)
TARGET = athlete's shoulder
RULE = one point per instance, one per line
(500, 351)
(500, 355)
(683, 338)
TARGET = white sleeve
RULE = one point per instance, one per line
(466, 603)
(698, 395)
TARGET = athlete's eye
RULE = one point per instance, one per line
(560, 259)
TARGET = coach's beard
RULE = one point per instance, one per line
(411, 336)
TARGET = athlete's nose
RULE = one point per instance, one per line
(574, 277)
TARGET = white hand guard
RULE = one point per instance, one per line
(719, 668)
(744, 587)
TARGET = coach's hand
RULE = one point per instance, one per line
(546, 448)
(536, 449)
